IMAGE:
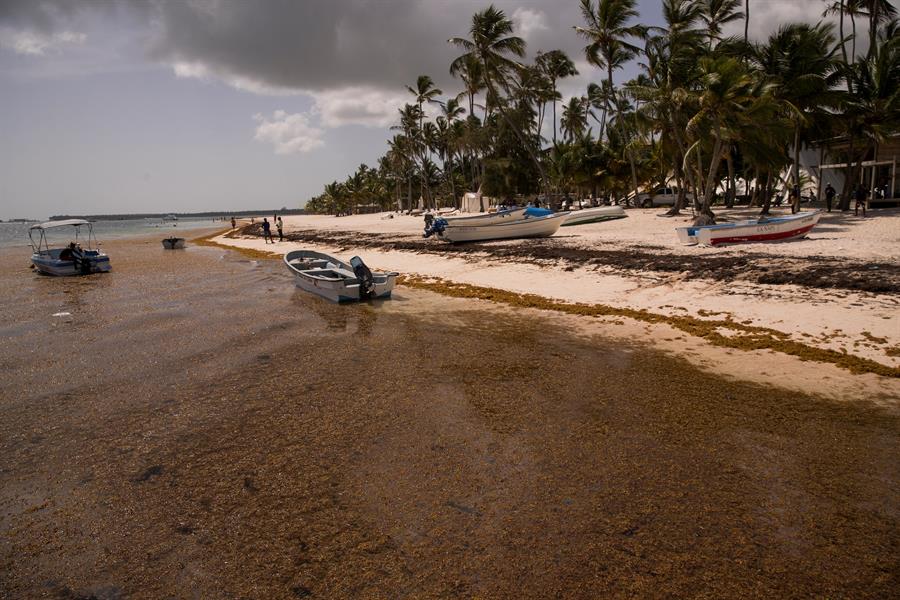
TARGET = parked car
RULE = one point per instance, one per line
(664, 196)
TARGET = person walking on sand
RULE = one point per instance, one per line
(860, 195)
(267, 231)
(279, 225)
(233, 223)
(829, 196)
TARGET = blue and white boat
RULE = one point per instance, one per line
(72, 259)
(773, 229)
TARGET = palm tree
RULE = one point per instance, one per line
(574, 118)
(728, 101)
(493, 45)
(872, 113)
(799, 60)
(716, 13)
(879, 11)
(555, 65)
(608, 32)
(472, 75)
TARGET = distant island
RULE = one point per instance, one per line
(194, 215)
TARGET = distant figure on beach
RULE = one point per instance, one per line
(233, 223)
(267, 231)
(279, 225)
(829, 196)
(860, 196)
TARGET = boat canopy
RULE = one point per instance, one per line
(64, 223)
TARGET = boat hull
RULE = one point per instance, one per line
(773, 230)
(594, 215)
(333, 279)
(523, 228)
(504, 216)
(65, 268)
(173, 243)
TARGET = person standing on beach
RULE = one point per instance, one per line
(233, 223)
(829, 196)
(267, 231)
(279, 225)
(860, 195)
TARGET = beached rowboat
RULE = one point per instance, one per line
(593, 215)
(336, 280)
(173, 243)
(776, 229)
(543, 226)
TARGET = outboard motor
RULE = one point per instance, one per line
(82, 264)
(437, 226)
(364, 275)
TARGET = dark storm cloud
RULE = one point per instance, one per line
(320, 44)
(307, 45)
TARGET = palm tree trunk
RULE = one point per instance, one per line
(853, 46)
(554, 112)
(729, 197)
(746, 18)
(517, 133)
(844, 46)
(873, 28)
(795, 206)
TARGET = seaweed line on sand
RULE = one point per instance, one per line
(748, 337)
(745, 337)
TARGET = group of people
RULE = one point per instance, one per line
(267, 229)
(860, 194)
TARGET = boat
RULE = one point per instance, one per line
(72, 259)
(336, 280)
(527, 227)
(170, 217)
(173, 243)
(593, 215)
(773, 229)
(502, 216)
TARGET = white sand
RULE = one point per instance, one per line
(837, 319)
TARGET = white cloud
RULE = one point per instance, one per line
(198, 70)
(37, 44)
(289, 133)
(365, 106)
(529, 21)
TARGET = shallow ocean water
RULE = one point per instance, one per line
(196, 423)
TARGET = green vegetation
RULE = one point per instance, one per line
(705, 111)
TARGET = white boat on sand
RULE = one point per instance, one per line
(775, 229)
(336, 280)
(502, 216)
(72, 259)
(593, 215)
(538, 226)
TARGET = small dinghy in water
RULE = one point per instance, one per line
(336, 280)
(173, 243)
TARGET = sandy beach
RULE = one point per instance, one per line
(192, 425)
(838, 290)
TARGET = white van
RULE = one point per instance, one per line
(664, 196)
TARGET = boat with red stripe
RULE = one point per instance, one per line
(776, 229)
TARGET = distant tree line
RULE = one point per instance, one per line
(705, 110)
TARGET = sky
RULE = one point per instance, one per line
(114, 106)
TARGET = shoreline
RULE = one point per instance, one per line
(739, 315)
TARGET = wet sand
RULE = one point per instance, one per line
(196, 427)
